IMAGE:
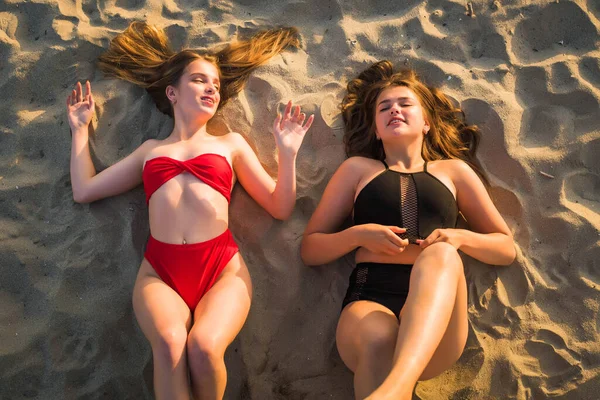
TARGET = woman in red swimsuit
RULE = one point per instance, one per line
(193, 290)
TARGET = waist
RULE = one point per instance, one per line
(159, 244)
(187, 225)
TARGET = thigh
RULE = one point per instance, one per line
(158, 308)
(453, 342)
(362, 323)
(221, 313)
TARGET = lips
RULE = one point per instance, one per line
(208, 99)
(396, 121)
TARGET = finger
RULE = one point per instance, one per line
(430, 239)
(397, 229)
(276, 124)
(301, 118)
(73, 97)
(296, 112)
(92, 102)
(309, 122)
(395, 249)
(288, 108)
(79, 92)
(395, 240)
(88, 88)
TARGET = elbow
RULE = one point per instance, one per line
(81, 197)
(511, 253)
(282, 213)
(305, 254)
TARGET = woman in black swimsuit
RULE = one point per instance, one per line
(412, 169)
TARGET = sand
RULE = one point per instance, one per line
(527, 72)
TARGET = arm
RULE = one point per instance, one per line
(87, 185)
(277, 198)
(490, 240)
(321, 244)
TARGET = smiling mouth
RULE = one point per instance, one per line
(208, 100)
(395, 122)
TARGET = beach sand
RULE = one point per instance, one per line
(526, 72)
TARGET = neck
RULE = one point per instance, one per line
(406, 156)
(186, 128)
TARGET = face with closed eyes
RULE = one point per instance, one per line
(197, 92)
(399, 114)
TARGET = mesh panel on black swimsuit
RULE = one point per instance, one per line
(409, 208)
(361, 279)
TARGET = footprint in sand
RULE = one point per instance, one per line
(581, 194)
(71, 348)
(558, 364)
(559, 111)
(557, 28)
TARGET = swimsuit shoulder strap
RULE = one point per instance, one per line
(425, 166)
(385, 164)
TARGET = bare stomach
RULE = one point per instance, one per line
(187, 216)
(408, 256)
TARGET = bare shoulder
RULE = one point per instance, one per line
(234, 138)
(454, 168)
(360, 165)
(150, 144)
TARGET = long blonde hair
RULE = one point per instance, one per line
(449, 137)
(143, 56)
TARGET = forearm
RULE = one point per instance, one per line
(82, 167)
(322, 248)
(490, 248)
(283, 197)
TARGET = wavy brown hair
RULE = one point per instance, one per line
(449, 137)
(143, 56)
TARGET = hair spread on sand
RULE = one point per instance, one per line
(143, 56)
(449, 137)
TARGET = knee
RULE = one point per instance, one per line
(169, 346)
(378, 344)
(203, 351)
(442, 256)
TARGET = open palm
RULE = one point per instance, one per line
(289, 129)
(80, 108)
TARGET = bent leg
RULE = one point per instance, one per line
(455, 338)
(366, 336)
(218, 319)
(436, 279)
(165, 320)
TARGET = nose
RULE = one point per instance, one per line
(394, 110)
(210, 89)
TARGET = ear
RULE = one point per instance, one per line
(171, 95)
(426, 128)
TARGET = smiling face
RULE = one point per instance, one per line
(399, 114)
(197, 92)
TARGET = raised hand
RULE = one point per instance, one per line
(289, 130)
(80, 108)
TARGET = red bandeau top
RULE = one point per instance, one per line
(212, 169)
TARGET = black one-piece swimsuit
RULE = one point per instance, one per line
(418, 202)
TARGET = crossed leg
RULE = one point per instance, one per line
(388, 356)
